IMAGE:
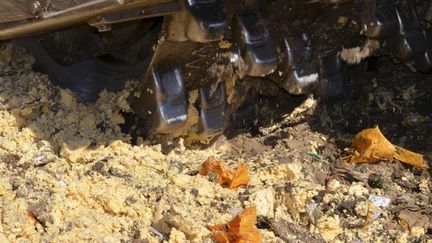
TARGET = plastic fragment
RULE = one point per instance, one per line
(225, 177)
(241, 229)
(379, 202)
(370, 146)
(312, 209)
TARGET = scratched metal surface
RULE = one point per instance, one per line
(57, 5)
(11, 10)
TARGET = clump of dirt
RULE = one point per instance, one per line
(69, 173)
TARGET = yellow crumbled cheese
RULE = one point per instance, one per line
(329, 227)
(417, 231)
(357, 189)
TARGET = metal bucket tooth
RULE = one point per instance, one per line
(212, 111)
(206, 21)
(378, 18)
(256, 48)
(163, 101)
(411, 41)
(300, 74)
(200, 21)
(424, 62)
(332, 81)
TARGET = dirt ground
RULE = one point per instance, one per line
(71, 172)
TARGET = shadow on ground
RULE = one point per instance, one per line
(384, 94)
(54, 114)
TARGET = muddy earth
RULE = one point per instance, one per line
(81, 172)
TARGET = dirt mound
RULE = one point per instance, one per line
(70, 174)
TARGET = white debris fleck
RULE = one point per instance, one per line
(62, 183)
(264, 202)
(380, 201)
(308, 79)
(357, 54)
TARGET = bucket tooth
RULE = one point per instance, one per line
(411, 41)
(212, 111)
(332, 74)
(424, 62)
(163, 101)
(300, 74)
(256, 48)
(378, 18)
(206, 21)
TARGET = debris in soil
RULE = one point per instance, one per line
(71, 173)
(225, 177)
(415, 222)
(379, 203)
(357, 54)
(241, 229)
(370, 145)
(290, 232)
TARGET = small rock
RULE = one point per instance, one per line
(416, 221)
(290, 232)
(264, 202)
(40, 210)
(118, 173)
(98, 166)
(357, 189)
(40, 160)
(375, 181)
(194, 192)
